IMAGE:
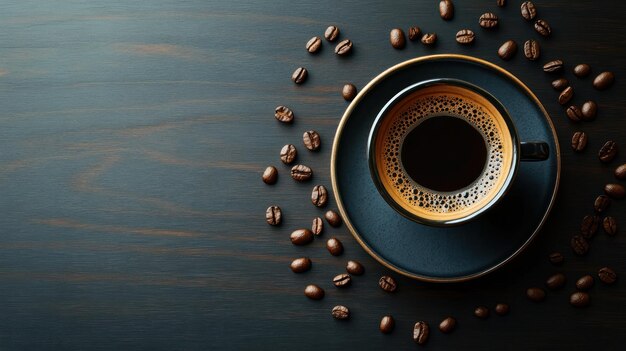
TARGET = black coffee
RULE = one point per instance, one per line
(444, 153)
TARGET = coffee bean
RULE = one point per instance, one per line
(317, 227)
(319, 196)
(585, 282)
(481, 312)
(620, 171)
(429, 39)
(602, 203)
(589, 226)
(343, 48)
(288, 154)
(574, 113)
(507, 50)
(283, 114)
(615, 191)
(387, 324)
(556, 258)
(589, 110)
(273, 215)
(488, 20)
(603, 80)
(313, 45)
(270, 175)
(532, 50)
(314, 292)
(566, 95)
(299, 75)
(553, 66)
(387, 283)
(334, 246)
(556, 281)
(340, 312)
(301, 236)
(501, 3)
(333, 218)
(446, 9)
(465, 36)
(414, 33)
(579, 141)
(397, 39)
(331, 33)
(582, 70)
(535, 294)
(610, 225)
(355, 268)
(542, 27)
(311, 140)
(301, 173)
(607, 275)
(560, 84)
(579, 299)
(579, 245)
(342, 280)
(529, 12)
(447, 325)
(502, 309)
(300, 265)
(608, 151)
(348, 92)
(421, 332)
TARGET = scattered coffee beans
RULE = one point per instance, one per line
(574, 113)
(579, 141)
(481, 312)
(319, 196)
(532, 50)
(331, 33)
(301, 173)
(333, 218)
(317, 227)
(387, 323)
(429, 39)
(311, 140)
(283, 114)
(585, 282)
(553, 66)
(273, 215)
(608, 151)
(334, 246)
(610, 225)
(620, 171)
(397, 39)
(342, 280)
(589, 226)
(579, 245)
(529, 12)
(615, 191)
(607, 275)
(343, 48)
(314, 292)
(566, 95)
(446, 9)
(559, 84)
(288, 154)
(579, 299)
(556, 258)
(421, 332)
(603, 80)
(447, 325)
(301, 236)
(313, 45)
(270, 175)
(465, 36)
(387, 283)
(582, 70)
(501, 3)
(602, 203)
(355, 268)
(340, 312)
(507, 50)
(300, 265)
(556, 281)
(488, 20)
(502, 309)
(348, 92)
(535, 294)
(299, 75)
(542, 27)
(414, 33)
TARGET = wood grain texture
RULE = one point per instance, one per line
(132, 140)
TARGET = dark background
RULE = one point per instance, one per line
(132, 140)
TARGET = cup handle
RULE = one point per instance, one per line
(534, 151)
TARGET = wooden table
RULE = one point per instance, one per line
(132, 140)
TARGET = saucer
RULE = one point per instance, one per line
(444, 254)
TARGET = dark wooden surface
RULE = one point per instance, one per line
(133, 136)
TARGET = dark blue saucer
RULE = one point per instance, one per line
(434, 253)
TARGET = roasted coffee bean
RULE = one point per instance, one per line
(334, 246)
(301, 173)
(301, 236)
(589, 226)
(553, 66)
(283, 114)
(387, 323)
(579, 299)
(270, 175)
(589, 110)
(556, 281)
(446, 9)
(488, 20)
(397, 39)
(465, 36)
(288, 154)
(344, 47)
(348, 92)
(532, 50)
(340, 312)
(355, 268)
(299, 75)
(501, 3)
(615, 191)
(342, 280)
(317, 227)
(585, 282)
(566, 95)
(311, 140)
(387, 283)
(319, 196)
(331, 33)
(481, 312)
(556, 258)
(300, 265)
(429, 39)
(608, 151)
(447, 325)
(607, 275)
(603, 80)
(579, 141)
(421, 332)
(602, 203)
(333, 218)
(574, 113)
(314, 292)
(529, 12)
(507, 50)
(610, 225)
(414, 33)
(273, 215)
(535, 294)
(313, 45)
(542, 27)
(560, 84)
(502, 309)
(620, 171)
(582, 70)
(579, 245)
